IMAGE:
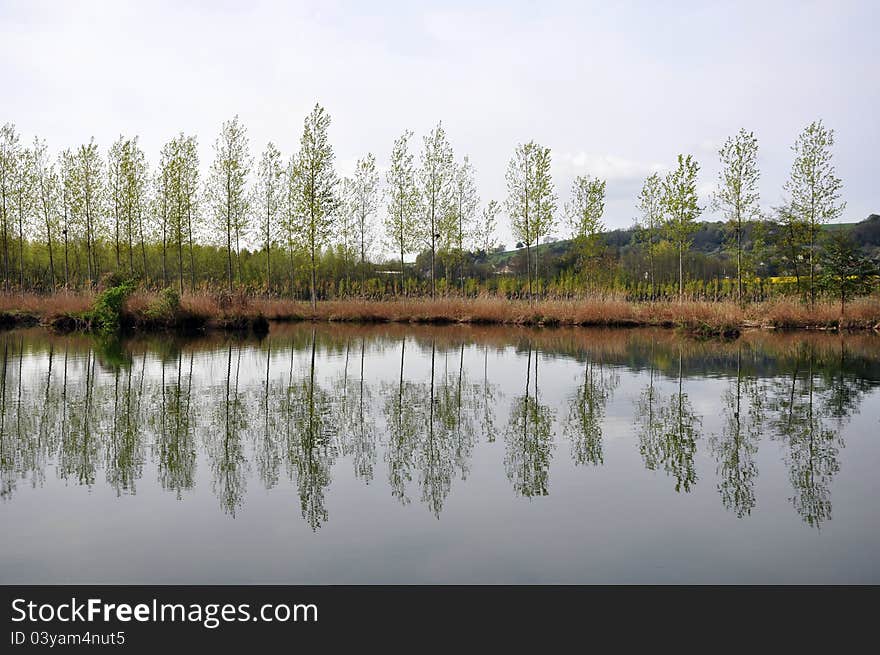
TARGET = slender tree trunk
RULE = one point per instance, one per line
(290, 264)
(792, 243)
(812, 267)
(680, 273)
(130, 234)
(433, 250)
(179, 257)
(89, 239)
(229, 253)
(229, 231)
(164, 249)
(528, 235)
(537, 267)
(314, 264)
(529, 269)
(5, 248)
(460, 247)
(51, 254)
(238, 254)
(363, 267)
(739, 277)
(66, 256)
(192, 257)
(20, 246)
(402, 267)
(268, 258)
(116, 223)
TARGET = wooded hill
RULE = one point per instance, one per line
(708, 240)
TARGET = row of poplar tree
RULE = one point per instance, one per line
(86, 212)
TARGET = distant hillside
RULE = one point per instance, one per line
(709, 239)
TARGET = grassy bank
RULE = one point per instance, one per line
(142, 311)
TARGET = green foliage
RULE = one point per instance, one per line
(165, 307)
(106, 314)
(845, 271)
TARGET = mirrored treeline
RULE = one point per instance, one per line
(406, 408)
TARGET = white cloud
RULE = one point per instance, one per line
(607, 167)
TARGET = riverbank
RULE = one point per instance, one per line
(147, 311)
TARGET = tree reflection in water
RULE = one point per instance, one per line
(298, 404)
(529, 439)
(587, 411)
(668, 432)
(737, 445)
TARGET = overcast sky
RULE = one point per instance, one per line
(615, 89)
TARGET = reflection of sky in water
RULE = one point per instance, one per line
(576, 504)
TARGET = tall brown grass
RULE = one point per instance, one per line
(609, 312)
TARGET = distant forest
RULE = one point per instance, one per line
(293, 227)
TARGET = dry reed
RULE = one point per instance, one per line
(708, 317)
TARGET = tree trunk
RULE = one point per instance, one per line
(314, 265)
(229, 252)
(88, 241)
(680, 274)
(66, 257)
(179, 257)
(812, 268)
(739, 277)
(268, 258)
(20, 247)
(51, 255)
(402, 268)
(192, 258)
(529, 269)
(433, 247)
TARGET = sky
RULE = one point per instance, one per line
(616, 89)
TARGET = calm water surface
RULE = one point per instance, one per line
(405, 455)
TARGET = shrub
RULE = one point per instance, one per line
(106, 313)
(165, 307)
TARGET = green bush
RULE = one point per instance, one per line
(165, 307)
(106, 314)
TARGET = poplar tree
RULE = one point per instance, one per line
(814, 187)
(737, 193)
(47, 187)
(227, 187)
(465, 202)
(791, 237)
(484, 232)
(290, 218)
(180, 171)
(88, 192)
(176, 201)
(135, 182)
(317, 197)
(650, 221)
(679, 202)
(531, 200)
(163, 201)
(115, 164)
(435, 180)
(345, 229)
(66, 166)
(269, 201)
(24, 202)
(366, 202)
(188, 154)
(9, 159)
(403, 200)
(545, 202)
(584, 214)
